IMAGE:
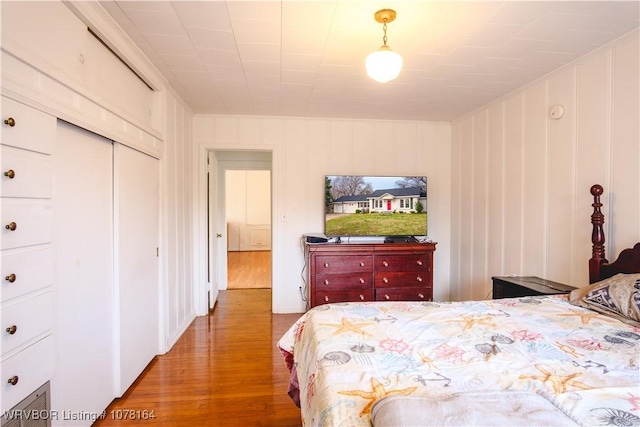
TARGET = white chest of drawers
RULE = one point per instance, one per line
(26, 302)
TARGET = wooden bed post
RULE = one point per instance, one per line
(597, 235)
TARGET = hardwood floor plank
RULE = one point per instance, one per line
(248, 269)
(224, 371)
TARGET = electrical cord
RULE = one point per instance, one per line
(304, 290)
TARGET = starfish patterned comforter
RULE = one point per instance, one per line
(346, 357)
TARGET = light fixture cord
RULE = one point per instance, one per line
(384, 28)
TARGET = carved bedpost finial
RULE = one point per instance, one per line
(597, 235)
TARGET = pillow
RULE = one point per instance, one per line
(617, 296)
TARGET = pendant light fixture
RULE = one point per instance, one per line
(384, 64)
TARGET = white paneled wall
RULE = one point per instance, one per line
(303, 152)
(177, 214)
(521, 180)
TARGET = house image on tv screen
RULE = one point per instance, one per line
(392, 200)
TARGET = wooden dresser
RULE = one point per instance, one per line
(369, 272)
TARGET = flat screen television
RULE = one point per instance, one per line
(393, 207)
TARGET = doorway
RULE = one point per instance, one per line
(221, 161)
(248, 225)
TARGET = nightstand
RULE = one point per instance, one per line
(524, 286)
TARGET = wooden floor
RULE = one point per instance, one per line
(248, 269)
(224, 371)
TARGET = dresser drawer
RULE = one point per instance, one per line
(405, 262)
(345, 281)
(396, 279)
(324, 297)
(25, 173)
(328, 264)
(32, 367)
(32, 129)
(25, 270)
(404, 294)
(32, 219)
(25, 320)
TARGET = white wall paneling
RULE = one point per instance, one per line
(540, 171)
(84, 309)
(303, 152)
(136, 226)
(171, 198)
(176, 252)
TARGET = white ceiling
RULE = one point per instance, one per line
(306, 58)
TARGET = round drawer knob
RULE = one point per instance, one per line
(419, 262)
(361, 297)
(326, 281)
(385, 263)
(10, 122)
(10, 278)
(421, 296)
(11, 226)
(387, 297)
(11, 329)
(361, 264)
(10, 174)
(385, 280)
(361, 280)
(419, 279)
(326, 299)
(13, 380)
(326, 265)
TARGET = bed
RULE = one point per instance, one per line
(549, 360)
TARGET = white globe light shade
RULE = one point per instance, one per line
(383, 65)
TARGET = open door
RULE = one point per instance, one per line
(214, 234)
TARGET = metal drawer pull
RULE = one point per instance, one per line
(12, 329)
(385, 263)
(421, 296)
(419, 262)
(11, 226)
(326, 265)
(10, 121)
(10, 174)
(13, 380)
(387, 297)
(10, 278)
(361, 297)
(361, 280)
(361, 264)
(326, 281)
(385, 280)
(326, 299)
(419, 279)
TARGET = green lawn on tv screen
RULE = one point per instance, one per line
(375, 224)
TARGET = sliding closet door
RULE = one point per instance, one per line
(136, 198)
(84, 296)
